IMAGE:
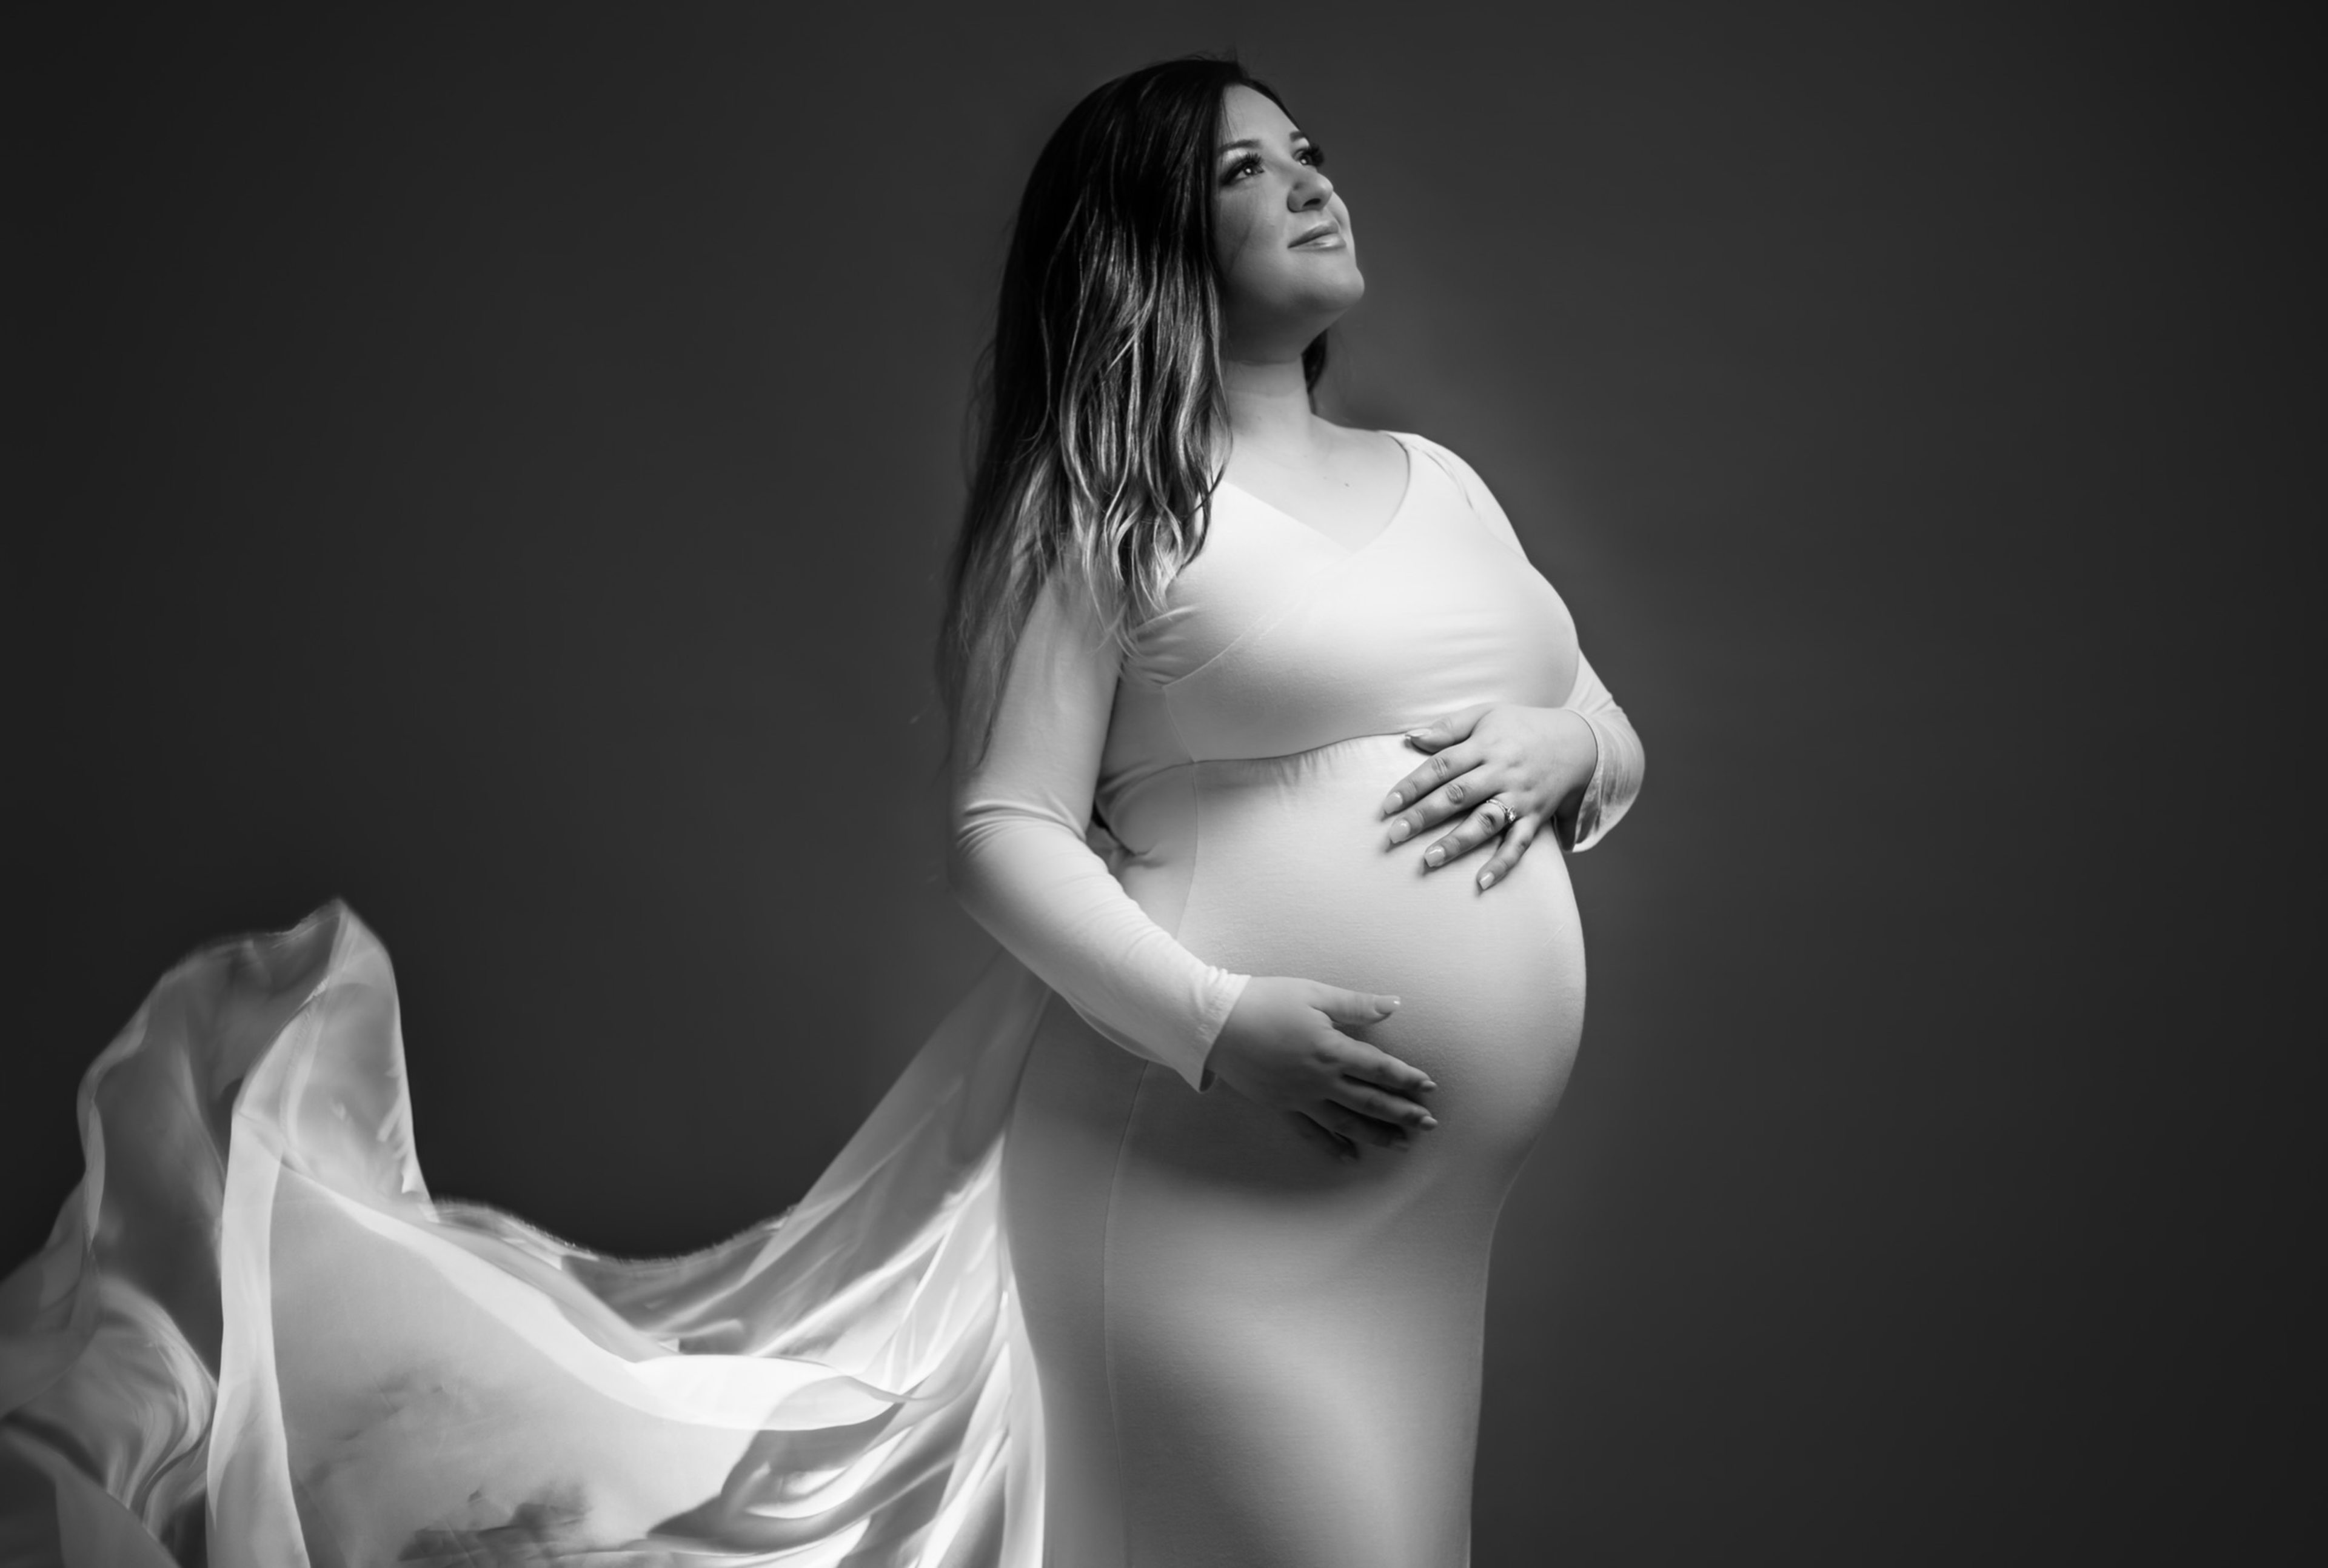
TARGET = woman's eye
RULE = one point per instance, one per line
(1251, 164)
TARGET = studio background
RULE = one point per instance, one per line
(492, 465)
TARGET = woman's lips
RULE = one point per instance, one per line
(1325, 237)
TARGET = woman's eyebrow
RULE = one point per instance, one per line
(1253, 143)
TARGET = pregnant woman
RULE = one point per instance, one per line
(1253, 1352)
(1171, 1246)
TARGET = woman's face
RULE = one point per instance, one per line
(1289, 264)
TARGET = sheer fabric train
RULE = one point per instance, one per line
(250, 1319)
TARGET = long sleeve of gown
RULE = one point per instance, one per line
(1617, 774)
(1022, 867)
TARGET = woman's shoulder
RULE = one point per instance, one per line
(1462, 473)
(1466, 477)
(1474, 489)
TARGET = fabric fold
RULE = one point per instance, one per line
(253, 1339)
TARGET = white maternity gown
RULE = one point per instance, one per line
(1059, 1302)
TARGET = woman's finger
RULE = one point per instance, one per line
(1494, 816)
(1507, 853)
(1373, 1064)
(1446, 729)
(1359, 1129)
(1455, 761)
(1491, 813)
(1351, 1007)
(1368, 1101)
(1333, 1143)
(1452, 799)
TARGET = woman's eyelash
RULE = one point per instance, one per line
(1251, 162)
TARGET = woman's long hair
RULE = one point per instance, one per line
(1100, 406)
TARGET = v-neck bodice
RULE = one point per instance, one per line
(1397, 510)
(1277, 639)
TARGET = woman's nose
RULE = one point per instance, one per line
(1312, 188)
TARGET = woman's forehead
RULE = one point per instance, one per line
(1250, 116)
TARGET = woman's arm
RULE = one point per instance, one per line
(1020, 865)
(1022, 868)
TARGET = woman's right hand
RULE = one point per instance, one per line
(1280, 1047)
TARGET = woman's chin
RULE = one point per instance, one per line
(1336, 288)
(1327, 305)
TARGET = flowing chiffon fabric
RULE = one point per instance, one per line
(253, 1339)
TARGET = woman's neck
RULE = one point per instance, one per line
(1269, 408)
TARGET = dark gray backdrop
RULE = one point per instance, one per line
(492, 467)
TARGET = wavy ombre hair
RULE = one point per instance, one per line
(1099, 413)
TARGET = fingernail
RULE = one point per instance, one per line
(1434, 855)
(1428, 1086)
(1398, 832)
(1430, 1120)
(1414, 735)
(1487, 880)
(1390, 1001)
(1391, 801)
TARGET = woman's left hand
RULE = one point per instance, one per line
(1506, 770)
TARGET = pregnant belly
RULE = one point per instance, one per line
(1288, 873)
